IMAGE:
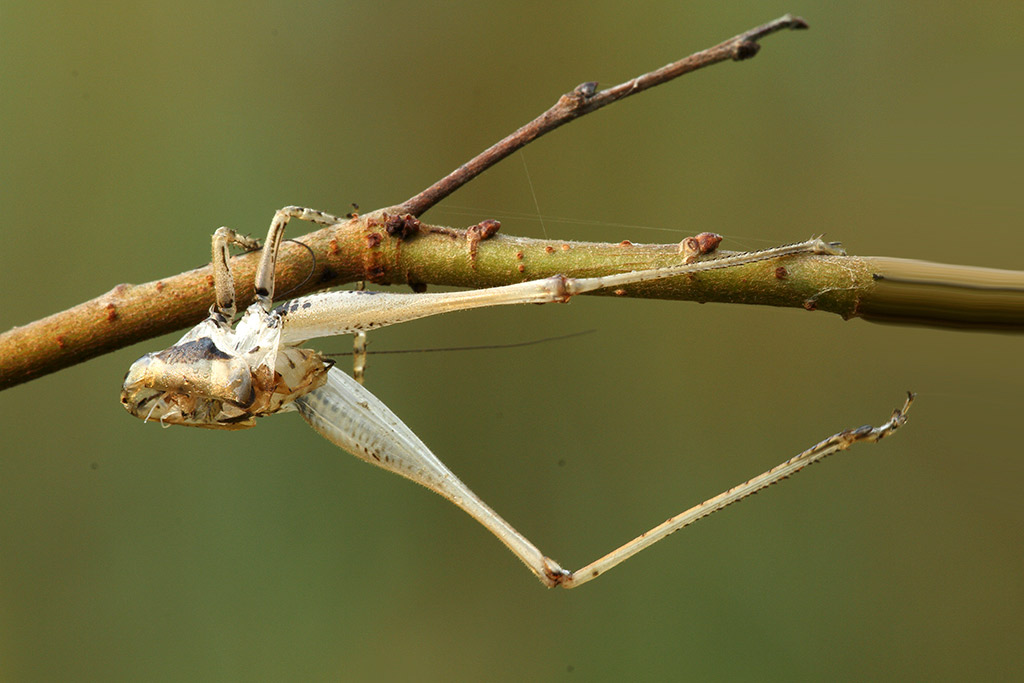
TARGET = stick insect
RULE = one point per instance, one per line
(221, 377)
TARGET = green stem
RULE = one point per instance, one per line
(874, 288)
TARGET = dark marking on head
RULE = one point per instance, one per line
(189, 352)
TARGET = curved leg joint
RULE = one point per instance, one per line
(554, 575)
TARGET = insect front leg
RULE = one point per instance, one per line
(223, 281)
(265, 271)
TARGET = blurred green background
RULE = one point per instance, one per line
(130, 131)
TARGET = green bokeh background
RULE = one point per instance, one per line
(130, 131)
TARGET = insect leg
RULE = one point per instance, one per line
(833, 444)
(349, 416)
(265, 271)
(352, 418)
(359, 348)
(332, 313)
(223, 282)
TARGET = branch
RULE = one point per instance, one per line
(128, 314)
(878, 289)
(392, 247)
(584, 99)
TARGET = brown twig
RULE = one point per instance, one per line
(585, 99)
(351, 251)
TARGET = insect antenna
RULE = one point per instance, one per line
(312, 269)
(477, 347)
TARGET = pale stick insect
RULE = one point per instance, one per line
(224, 378)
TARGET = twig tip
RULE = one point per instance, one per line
(745, 45)
(794, 22)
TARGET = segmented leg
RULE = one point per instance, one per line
(333, 313)
(265, 271)
(359, 347)
(222, 377)
(352, 418)
(223, 282)
(833, 444)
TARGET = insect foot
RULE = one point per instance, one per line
(554, 575)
